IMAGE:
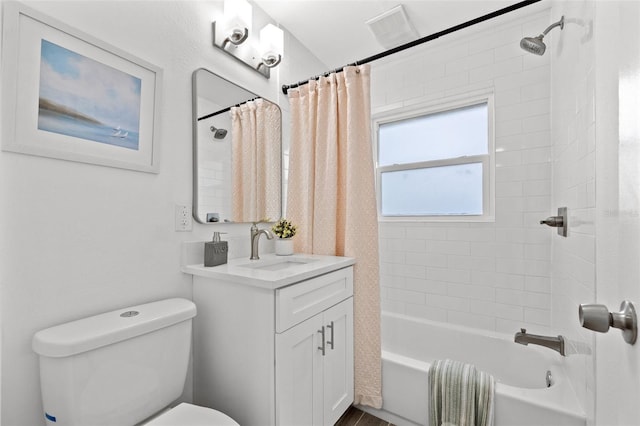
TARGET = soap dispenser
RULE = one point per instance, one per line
(215, 251)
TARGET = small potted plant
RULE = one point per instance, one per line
(284, 230)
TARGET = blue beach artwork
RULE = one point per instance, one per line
(86, 99)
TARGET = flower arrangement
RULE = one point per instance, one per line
(284, 228)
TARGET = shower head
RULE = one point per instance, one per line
(535, 45)
(218, 133)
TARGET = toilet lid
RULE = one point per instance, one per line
(192, 415)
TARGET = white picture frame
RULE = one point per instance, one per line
(69, 96)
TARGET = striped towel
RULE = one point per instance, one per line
(460, 395)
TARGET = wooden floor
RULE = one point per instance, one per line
(354, 417)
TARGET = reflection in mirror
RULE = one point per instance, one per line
(237, 153)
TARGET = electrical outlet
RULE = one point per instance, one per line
(184, 222)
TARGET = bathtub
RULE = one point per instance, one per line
(522, 396)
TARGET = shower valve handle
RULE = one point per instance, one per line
(553, 221)
(594, 317)
(598, 318)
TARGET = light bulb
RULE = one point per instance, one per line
(271, 45)
(237, 20)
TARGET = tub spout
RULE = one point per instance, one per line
(555, 343)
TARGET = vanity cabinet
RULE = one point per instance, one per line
(269, 353)
(314, 368)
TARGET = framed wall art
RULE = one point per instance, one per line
(69, 96)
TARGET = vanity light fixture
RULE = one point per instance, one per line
(233, 35)
(271, 45)
(237, 21)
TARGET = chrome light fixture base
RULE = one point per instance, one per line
(243, 52)
(271, 61)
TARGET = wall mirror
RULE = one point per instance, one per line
(237, 153)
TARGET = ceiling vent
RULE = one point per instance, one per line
(392, 28)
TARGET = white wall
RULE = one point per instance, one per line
(617, 49)
(80, 239)
(573, 80)
(493, 276)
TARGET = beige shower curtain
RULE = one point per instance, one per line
(256, 158)
(331, 197)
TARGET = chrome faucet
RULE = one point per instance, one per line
(255, 239)
(555, 343)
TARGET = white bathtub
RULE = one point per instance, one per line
(522, 396)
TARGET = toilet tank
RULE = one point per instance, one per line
(116, 368)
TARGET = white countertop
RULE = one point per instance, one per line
(295, 268)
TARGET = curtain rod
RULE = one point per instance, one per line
(417, 42)
(204, 117)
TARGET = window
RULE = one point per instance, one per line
(436, 163)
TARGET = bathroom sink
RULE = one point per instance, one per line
(270, 271)
(277, 264)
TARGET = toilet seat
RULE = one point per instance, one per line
(192, 415)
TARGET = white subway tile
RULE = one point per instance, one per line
(471, 234)
(437, 260)
(536, 187)
(431, 313)
(448, 82)
(499, 310)
(537, 268)
(448, 247)
(448, 275)
(537, 316)
(538, 301)
(407, 245)
(427, 286)
(406, 296)
(536, 123)
(508, 158)
(483, 278)
(447, 302)
(486, 322)
(392, 306)
(508, 51)
(508, 128)
(496, 37)
(471, 263)
(392, 281)
(509, 189)
(535, 91)
(509, 281)
(409, 271)
(508, 97)
(510, 297)
(476, 292)
(537, 284)
(537, 252)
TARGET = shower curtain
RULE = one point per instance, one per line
(331, 197)
(256, 156)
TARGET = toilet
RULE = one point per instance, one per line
(125, 367)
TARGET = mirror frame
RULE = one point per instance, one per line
(194, 120)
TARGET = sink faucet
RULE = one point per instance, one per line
(255, 239)
(555, 343)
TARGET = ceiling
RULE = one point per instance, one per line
(335, 30)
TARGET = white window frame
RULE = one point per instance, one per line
(488, 160)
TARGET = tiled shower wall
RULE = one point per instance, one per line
(492, 275)
(573, 127)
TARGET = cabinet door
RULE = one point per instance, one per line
(299, 374)
(338, 361)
